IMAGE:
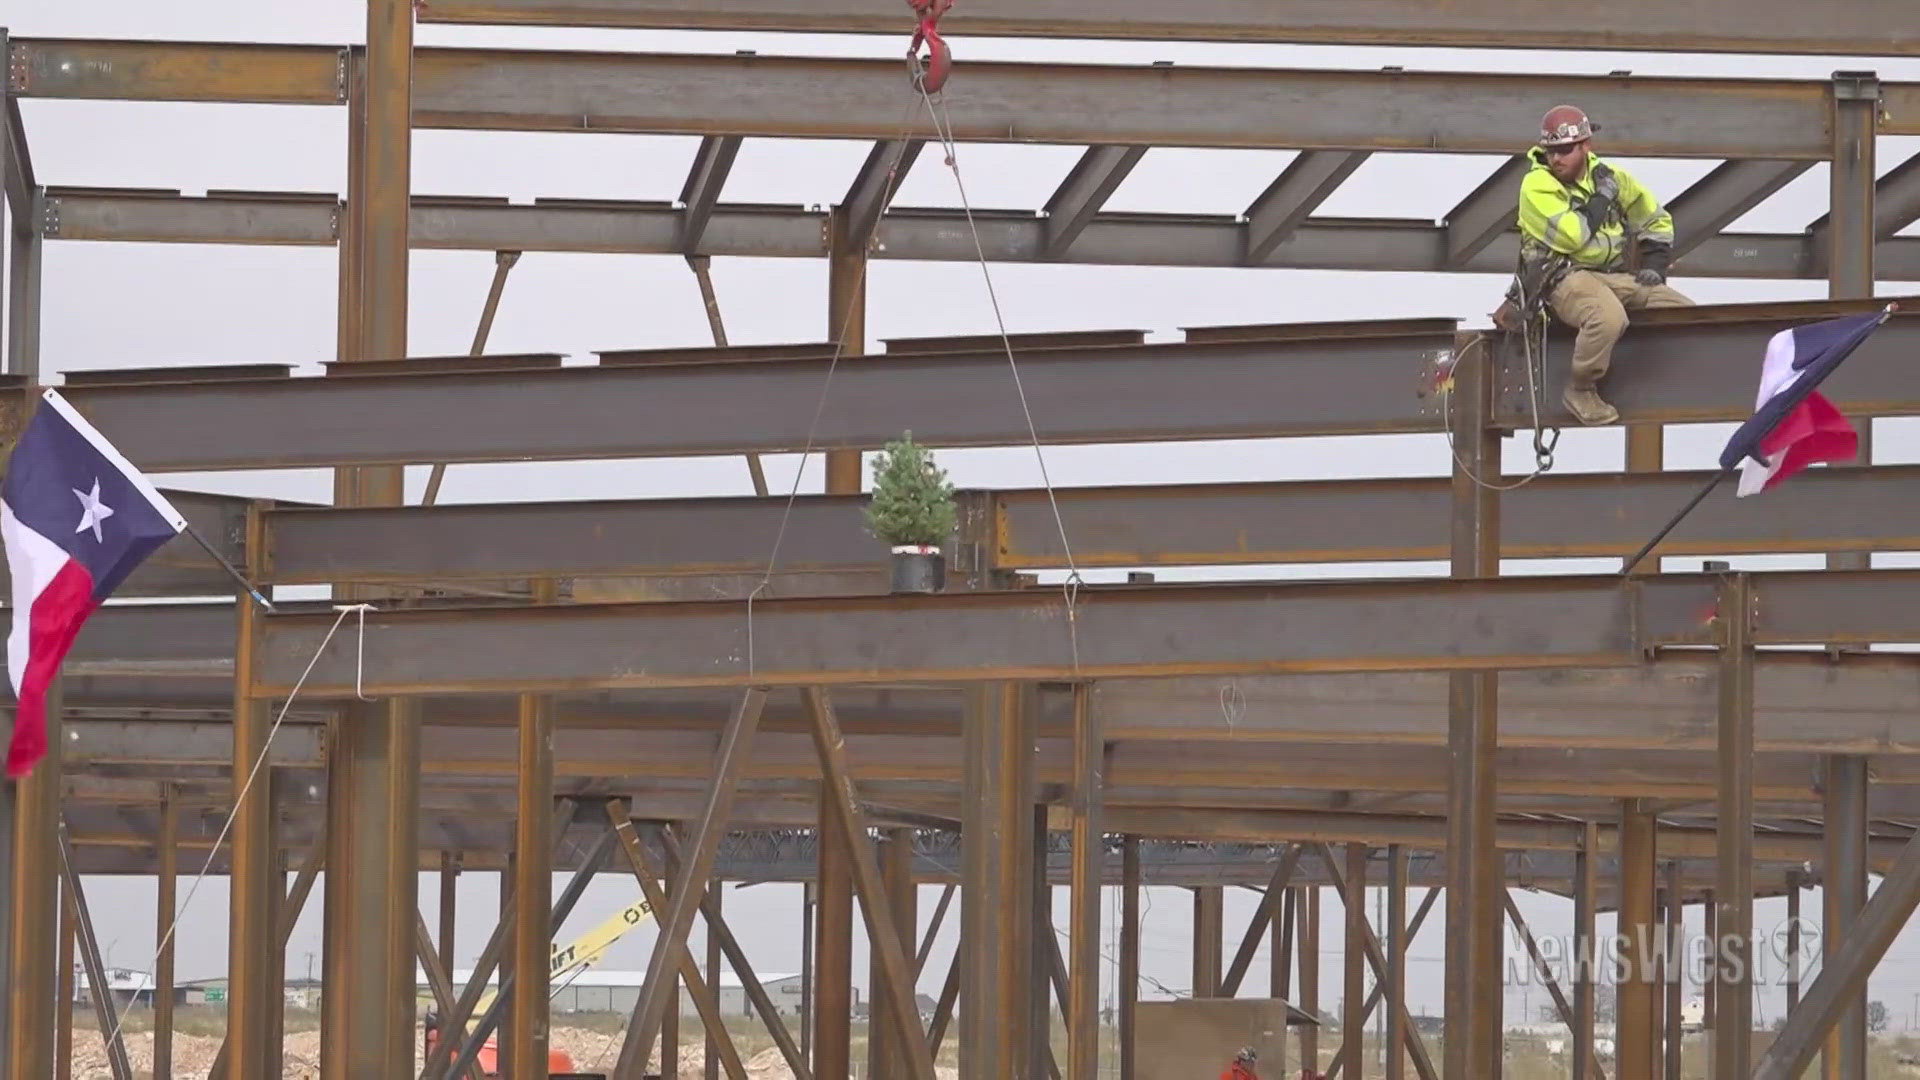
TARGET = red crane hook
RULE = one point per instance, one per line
(939, 62)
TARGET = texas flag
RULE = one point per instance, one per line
(76, 519)
(1793, 426)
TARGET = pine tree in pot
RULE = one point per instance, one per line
(912, 509)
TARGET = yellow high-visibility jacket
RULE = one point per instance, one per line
(1550, 218)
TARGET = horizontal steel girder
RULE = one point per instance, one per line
(1806, 702)
(1845, 27)
(821, 97)
(915, 234)
(1843, 509)
(1312, 379)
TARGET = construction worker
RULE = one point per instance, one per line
(1584, 226)
(1242, 1067)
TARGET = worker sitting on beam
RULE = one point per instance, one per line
(1595, 244)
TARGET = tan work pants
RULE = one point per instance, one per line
(1596, 305)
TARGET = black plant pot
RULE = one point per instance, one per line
(919, 568)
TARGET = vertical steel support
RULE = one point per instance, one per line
(995, 895)
(1209, 923)
(847, 327)
(1850, 233)
(885, 1054)
(808, 901)
(1280, 956)
(1845, 894)
(1732, 901)
(169, 851)
(1671, 944)
(63, 1012)
(670, 1021)
(1634, 1003)
(1309, 946)
(1129, 989)
(1795, 883)
(503, 263)
(30, 807)
(1586, 903)
(449, 901)
(249, 913)
(1353, 1027)
(1396, 989)
(1042, 951)
(374, 769)
(1474, 869)
(1089, 851)
(1709, 991)
(503, 1044)
(533, 879)
(710, 1055)
(833, 951)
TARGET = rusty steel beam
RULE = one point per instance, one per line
(701, 193)
(1345, 378)
(1309, 180)
(1151, 631)
(1127, 526)
(1476, 238)
(995, 898)
(1723, 196)
(1856, 27)
(1093, 180)
(1732, 915)
(820, 97)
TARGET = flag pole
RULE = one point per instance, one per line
(1677, 518)
(228, 567)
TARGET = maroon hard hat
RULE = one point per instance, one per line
(1564, 125)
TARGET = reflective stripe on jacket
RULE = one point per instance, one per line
(1549, 215)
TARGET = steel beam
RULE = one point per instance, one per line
(105, 1008)
(250, 923)
(701, 193)
(168, 850)
(33, 898)
(1395, 983)
(1732, 917)
(1844, 971)
(1844, 893)
(768, 96)
(1461, 625)
(63, 1014)
(1129, 964)
(1309, 180)
(17, 181)
(873, 188)
(996, 841)
(1353, 1026)
(1634, 1002)
(1486, 214)
(1851, 228)
(1089, 854)
(1471, 243)
(1093, 180)
(1722, 197)
(533, 888)
(1586, 901)
(1857, 27)
(1266, 913)
(1207, 939)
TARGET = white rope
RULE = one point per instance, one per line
(252, 773)
(1070, 588)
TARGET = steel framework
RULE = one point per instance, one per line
(537, 673)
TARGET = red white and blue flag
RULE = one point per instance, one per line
(76, 519)
(1793, 425)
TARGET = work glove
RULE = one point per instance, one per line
(1650, 277)
(1605, 185)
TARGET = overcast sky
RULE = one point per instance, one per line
(120, 305)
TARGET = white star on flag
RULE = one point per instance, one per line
(92, 510)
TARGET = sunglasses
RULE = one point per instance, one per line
(1561, 151)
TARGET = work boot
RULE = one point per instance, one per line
(1586, 405)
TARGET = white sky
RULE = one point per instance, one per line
(114, 305)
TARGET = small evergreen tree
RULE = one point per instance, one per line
(912, 500)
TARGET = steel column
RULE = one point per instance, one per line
(533, 882)
(1794, 885)
(1046, 972)
(995, 897)
(1732, 897)
(503, 1044)
(63, 1011)
(35, 912)
(1089, 859)
(169, 851)
(715, 1035)
(1353, 1027)
(833, 951)
(1280, 977)
(1396, 981)
(1129, 988)
(1309, 946)
(1473, 985)
(676, 879)
(1586, 903)
(847, 329)
(1208, 926)
(99, 991)
(503, 262)
(23, 290)
(449, 901)
(808, 902)
(886, 1055)
(1670, 967)
(1844, 892)
(1850, 225)
(1267, 913)
(1634, 999)
(249, 920)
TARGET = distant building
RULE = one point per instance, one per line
(601, 991)
(126, 987)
